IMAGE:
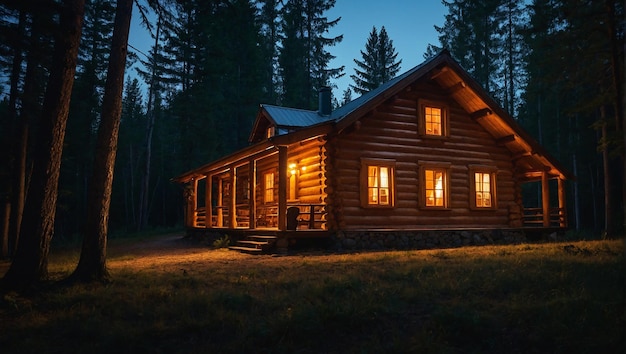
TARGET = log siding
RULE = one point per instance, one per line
(393, 132)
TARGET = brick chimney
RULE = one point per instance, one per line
(325, 107)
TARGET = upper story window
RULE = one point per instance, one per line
(271, 131)
(435, 186)
(433, 119)
(482, 187)
(377, 183)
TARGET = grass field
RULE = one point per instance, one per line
(169, 296)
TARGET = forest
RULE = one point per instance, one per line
(100, 161)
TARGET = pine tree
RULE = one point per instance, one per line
(303, 56)
(84, 108)
(379, 63)
(30, 263)
(92, 263)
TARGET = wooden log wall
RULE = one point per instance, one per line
(308, 157)
(266, 165)
(391, 132)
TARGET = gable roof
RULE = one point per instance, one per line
(443, 69)
(293, 124)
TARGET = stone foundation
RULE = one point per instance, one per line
(423, 239)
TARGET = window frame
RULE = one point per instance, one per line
(366, 163)
(492, 172)
(266, 189)
(440, 166)
(422, 104)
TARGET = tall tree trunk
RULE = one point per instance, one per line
(608, 198)
(30, 104)
(92, 263)
(10, 231)
(30, 263)
(145, 179)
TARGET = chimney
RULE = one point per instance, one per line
(325, 107)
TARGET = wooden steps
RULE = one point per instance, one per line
(255, 244)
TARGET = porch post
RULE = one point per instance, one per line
(252, 191)
(562, 204)
(232, 213)
(194, 202)
(545, 199)
(208, 207)
(189, 205)
(282, 188)
(220, 207)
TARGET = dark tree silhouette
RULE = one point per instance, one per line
(30, 264)
(379, 63)
(92, 263)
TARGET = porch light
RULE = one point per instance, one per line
(292, 169)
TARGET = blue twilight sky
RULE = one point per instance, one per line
(409, 24)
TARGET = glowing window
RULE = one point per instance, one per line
(432, 120)
(269, 187)
(435, 187)
(378, 185)
(482, 187)
(483, 190)
(377, 182)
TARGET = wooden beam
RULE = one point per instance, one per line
(481, 113)
(220, 198)
(438, 71)
(232, 212)
(208, 206)
(283, 185)
(562, 204)
(545, 199)
(194, 201)
(252, 193)
(506, 139)
(455, 88)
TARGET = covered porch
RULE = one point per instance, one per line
(273, 187)
(549, 211)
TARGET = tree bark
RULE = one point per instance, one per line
(92, 263)
(145, 178)
(30, 264)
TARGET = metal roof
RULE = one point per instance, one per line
(293, 117)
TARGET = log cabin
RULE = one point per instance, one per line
(427, 159)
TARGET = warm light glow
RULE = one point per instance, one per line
(434, 188)
(483, 189)
(269, 187)
(432, 120)
(378, 185)
(292, 169)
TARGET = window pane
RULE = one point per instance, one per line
(384, 196)
(384, 177)
(435, 187)
(372, 176)
(483, 189)
(269, 187)
(378, 185)
(432, 120)
(373, 196)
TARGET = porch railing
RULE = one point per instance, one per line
(311, 217)
(199, 217)
(533, 217)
